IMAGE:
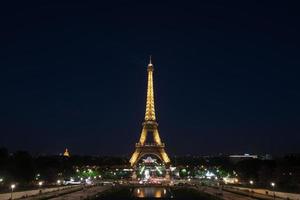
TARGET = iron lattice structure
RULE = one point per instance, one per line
(150, 126)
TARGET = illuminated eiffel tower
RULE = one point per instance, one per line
(143, 148)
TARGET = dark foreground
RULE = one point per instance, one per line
(154, 192)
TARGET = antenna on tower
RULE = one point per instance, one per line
(150, 60)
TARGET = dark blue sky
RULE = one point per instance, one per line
(73, 74)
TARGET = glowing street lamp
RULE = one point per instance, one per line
(1, 180)
(12, 187)
(58, 183)
(251, 183)
(40, 183)
(273, 186)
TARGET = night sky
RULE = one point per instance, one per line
(73, 74)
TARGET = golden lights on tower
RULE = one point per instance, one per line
(150, 110)
(149, 127)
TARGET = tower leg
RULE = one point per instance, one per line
(143, 136)
(156, 136)
(164, 156)
(134, 157)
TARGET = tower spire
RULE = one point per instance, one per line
(150, 60)
(150, 109)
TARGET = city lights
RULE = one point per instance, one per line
(87, 113)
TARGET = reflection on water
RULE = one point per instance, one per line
(151, 192)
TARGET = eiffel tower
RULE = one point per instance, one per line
(143, 148)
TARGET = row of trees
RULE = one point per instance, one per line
(284, 171)
(25, 169)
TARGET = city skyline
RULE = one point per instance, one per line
(226, 79)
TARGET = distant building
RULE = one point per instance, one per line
(237, 158)
(266, 157)
(66, 153)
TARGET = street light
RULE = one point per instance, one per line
(12, 187)
(273, 186)
(251, 183)
(58, 183)
(40, 185)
